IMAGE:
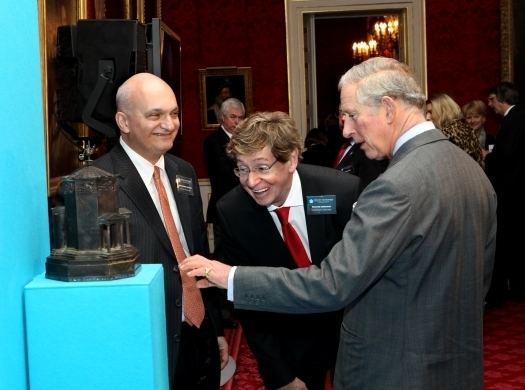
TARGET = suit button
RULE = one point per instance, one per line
(176, 268)
(178, 302)
(176, 338)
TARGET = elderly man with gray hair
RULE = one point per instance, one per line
(218, 164)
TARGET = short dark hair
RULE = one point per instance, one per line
(506, 92)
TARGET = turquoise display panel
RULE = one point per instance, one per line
(106, 335)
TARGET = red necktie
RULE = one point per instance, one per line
(341, 153)
(191, 295)
(292, 240)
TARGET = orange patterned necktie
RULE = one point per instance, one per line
(292, 239)
(191, 295)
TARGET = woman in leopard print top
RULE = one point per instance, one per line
(447, 116)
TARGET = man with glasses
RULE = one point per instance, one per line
(292, 351)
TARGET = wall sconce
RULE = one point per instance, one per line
(383, 40)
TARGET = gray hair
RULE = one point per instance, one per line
(381, 76)
(229, 104)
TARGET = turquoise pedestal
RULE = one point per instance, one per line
(97, 335)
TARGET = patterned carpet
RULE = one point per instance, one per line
(504, 352)
(505, 347)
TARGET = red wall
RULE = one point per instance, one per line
(462, 47)
(228, 33)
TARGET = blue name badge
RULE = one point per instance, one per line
(323, 204)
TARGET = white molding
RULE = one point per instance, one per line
(295, 10)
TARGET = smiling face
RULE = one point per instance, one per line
(475, 121)
(272, 187)
(366, 125)
(150, 121)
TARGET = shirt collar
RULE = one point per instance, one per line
(226, 131)
(144, 167)
(412, 132)
(508, 109)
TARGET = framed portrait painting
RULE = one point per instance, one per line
(220, 83)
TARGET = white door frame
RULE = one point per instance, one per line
(299, 83)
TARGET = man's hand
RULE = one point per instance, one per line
(223, 350)
(296, 384)
(215, 274)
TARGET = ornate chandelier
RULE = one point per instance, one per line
(383, 40)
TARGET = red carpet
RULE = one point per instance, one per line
(246, 376)
(504, 338)
(505, 347)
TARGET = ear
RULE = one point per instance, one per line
(294, 160)
(122, 122)
(390, 108)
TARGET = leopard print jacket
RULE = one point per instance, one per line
(459, 133)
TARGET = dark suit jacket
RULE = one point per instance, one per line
(149, 236)
(505, 166)
(412, 271)
(356, 162)
(220, 170)
(282, 342)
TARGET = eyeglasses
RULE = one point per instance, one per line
(243, 171)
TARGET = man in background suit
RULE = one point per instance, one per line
(505, 166)
(148, 118)
(291, 350)
(415, 261)
(218, 164)
(353, 160)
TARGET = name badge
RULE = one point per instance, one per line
(184, 185)
(323, 204)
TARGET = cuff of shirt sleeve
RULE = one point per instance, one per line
(229, 292)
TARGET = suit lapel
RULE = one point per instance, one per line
(224, 139)
(132, 185)
(266, 238)
(415, 142)
(315, 224)
(182, 201)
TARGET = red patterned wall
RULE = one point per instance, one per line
(462, 47)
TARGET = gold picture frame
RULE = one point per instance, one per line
(507, 39)
(236, 80)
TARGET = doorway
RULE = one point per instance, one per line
(336, 42)
(313, 77)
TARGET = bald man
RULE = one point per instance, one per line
(148, 119)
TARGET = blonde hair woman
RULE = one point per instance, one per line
(475, 114)
(447, 116)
